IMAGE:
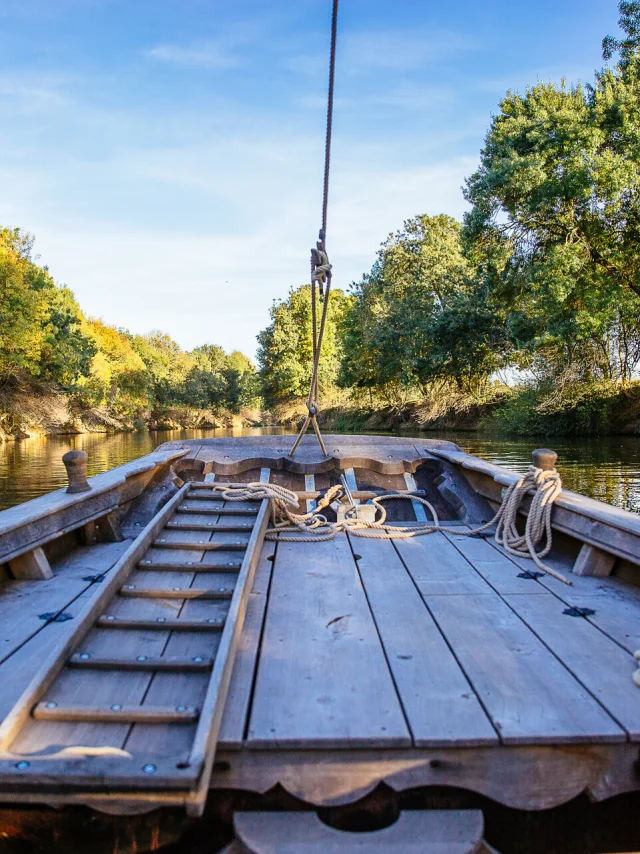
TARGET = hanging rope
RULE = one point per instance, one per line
(534, 544)
(320, 266)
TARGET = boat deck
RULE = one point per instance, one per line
(370, 653)
(431, 661)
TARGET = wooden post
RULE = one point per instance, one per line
(75, 463)
(31, 565)
(593, 561)
(544, 458)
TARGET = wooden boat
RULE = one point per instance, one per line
(165, 669)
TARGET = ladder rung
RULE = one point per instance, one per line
(88, 661)
(132, 591)
(198, 496)
(242, 527)
(201, 546)
(163, 624)
(190, 566)
(116, 713)
(223, 511)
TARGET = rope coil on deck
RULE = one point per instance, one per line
(534, 544)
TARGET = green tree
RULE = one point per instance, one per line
(557, 199)
(23, 305)
(408, 324)
(67, 352)
(285, 351)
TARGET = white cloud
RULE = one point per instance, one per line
(206, 54)
(400, 50)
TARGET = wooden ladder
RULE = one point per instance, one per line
(415, 832)
(128, 703)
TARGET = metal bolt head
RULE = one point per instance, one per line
(149, 769)
(161, 619)
(181, 708)
(163, 541)
(200, 541)
(212, 621)
(141, 658)
(116, 707)
(85, 656)
(130, 587)
(147, 561)
(189, 563)
(51, 705)
(222, 589)
(22, 765)
(198, 659)
(110, 618)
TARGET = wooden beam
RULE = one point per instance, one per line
(418, 508)
(200, 546)
(195, 566)
(219, 511)
(310, 486)
(197, 664)
(133, 592)
(415, 831)
(202, 752)
(115, 713)
(163, 624)
(211, 527)
(593, 561)
(31, 565)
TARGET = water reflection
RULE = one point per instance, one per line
(34, 466)
(607, 469)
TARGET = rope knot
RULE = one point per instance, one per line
(320, 266)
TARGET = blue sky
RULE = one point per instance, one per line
(168, 155)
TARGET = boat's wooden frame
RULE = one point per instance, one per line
(594, 540)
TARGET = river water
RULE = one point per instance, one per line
(607, 468)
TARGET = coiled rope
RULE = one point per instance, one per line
(534, 544)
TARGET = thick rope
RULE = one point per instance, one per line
(534, 544)
(320, 266)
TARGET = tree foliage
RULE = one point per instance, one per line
(285, 351)
(45, 335)
(556, 200)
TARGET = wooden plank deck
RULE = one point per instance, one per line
(438, 660)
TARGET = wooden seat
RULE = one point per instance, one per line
(415, 832)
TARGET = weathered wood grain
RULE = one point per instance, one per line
(32, 565)
(54, 661)
(234, 719)
(415, 831)
(202, 750)
(593, 561)
(440, 705)
(526, 778)
(598, 663)
(322, 675)
(531, 697)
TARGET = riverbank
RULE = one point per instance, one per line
(601, 410)
(37, 411)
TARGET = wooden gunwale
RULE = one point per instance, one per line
(585, 519)
(35, 523)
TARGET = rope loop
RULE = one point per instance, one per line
(314, 526)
